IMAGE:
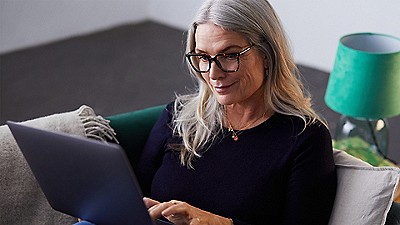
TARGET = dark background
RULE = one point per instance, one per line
(122, 69)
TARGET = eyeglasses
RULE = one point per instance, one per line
(227, 62)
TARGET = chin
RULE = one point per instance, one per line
(225, 101)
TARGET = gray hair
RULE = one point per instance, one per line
(198, 117)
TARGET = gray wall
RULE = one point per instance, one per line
(25, 23)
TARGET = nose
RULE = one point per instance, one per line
(215, 72)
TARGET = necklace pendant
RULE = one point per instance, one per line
(235, 137)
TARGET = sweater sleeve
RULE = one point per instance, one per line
(151, 158)
(312, 181)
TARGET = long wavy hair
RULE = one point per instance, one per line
(198, 117)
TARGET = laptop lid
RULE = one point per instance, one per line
(84, 178)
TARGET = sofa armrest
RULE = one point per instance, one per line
(133, 128)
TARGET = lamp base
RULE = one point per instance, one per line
(374, 133)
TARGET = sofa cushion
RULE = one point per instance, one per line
(364, 194)
(132, 129)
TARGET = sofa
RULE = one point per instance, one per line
(365, 193)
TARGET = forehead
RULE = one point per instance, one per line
(212, 38)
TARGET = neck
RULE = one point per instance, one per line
(239, 118)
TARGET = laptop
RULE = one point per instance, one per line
(84, 178)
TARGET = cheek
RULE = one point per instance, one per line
(255, 77)
(255, 71)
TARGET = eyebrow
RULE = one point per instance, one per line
(221, 51)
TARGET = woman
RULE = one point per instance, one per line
(247, 148)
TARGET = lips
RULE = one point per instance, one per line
(222, 89)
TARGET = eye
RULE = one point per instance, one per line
(230, 57)
(202, 58)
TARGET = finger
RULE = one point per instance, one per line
(176, 208)
(156, 210)
(178, 219)
(150, 202)
(185, 213)
(195, 221)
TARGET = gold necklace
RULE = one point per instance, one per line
(235, 135)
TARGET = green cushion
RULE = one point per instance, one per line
(133, 128)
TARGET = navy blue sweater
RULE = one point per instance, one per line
(276, 173)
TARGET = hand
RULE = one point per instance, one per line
(181, 213)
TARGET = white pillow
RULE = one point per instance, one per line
(364, 193)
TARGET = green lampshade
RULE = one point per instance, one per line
(365, 80)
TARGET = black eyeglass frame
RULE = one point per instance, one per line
(211, 59)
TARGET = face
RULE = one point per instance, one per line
(244, 86)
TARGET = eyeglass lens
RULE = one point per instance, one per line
(226, 62)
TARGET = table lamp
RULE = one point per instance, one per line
(364, 86)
